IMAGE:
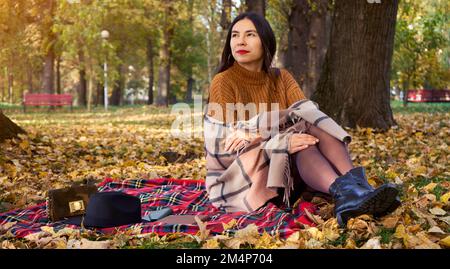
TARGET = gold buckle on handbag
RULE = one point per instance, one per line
(76, 206)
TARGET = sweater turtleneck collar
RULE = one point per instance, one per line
(250, 77)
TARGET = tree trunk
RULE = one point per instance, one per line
(209, 40)
(48, 77)
(49, 59)
(99, 97)
(4, 83)
(308, 37)
(405, 92)
(151, 71)
(82, 85)
(257, 6)
(90, 90)
(164, 76)
(8, 129)
(10, 87)
(164, 57)
(190, 79)
(190, 87)
(281, 53)
(58, 75)
(225, 20)
(30, 77)
(354, 85)
(119, 84)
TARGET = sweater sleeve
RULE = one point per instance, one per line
(220, 93)
(293, 91)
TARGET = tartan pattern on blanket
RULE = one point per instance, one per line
(247, 178)
(184, 196)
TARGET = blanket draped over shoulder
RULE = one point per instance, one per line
(247, 178)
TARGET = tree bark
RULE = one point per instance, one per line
(48, 77)
(308, 37)
(30, 77)
(354, 85)
(190, 80)
(99, 97)
(49, 59)
(4, 83)
(82, 85)
(225, 20)
(190, 87)
(58, 76)
(119, 84)
(10, 87)
(151, 70)
(90, 90)
(257, 6)
(164, 57)
(8, 129)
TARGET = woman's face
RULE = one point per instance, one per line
(246, 46)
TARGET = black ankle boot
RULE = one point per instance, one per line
(353, 199)
(359, 174)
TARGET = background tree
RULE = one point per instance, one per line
(309, 24)
(421, 49)
(164, 54)
(48, 9)
(257, 6)
(354, 85)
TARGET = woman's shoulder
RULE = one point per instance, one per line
(222, 79)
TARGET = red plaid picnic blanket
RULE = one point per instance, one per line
(184, 196)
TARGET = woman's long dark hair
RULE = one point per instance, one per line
(269, 46)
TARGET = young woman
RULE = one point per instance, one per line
(319, 159)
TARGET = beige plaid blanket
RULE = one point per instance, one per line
(246, 179)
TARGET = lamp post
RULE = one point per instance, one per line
(105, 35)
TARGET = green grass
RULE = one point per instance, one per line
(421, 182)
(397, 107)
(386, 235)
(340, 241)
(438, 191)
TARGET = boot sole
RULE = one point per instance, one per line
(378, 203)
(396, 203)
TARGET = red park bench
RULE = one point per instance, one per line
(424, 96)
(47, 99)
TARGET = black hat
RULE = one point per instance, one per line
(109, 209)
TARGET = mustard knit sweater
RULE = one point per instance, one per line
(239, 85)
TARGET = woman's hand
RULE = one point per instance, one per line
(237, 139)
(301, 141)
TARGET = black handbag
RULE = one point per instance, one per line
(68, 202)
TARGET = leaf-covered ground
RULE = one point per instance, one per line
(62, 148)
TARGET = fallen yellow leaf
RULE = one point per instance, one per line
(229, 225)
(445, 242)
(211, 244)
(430, 187)
(445, 197)
(400, 231)
(372, 182)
